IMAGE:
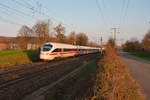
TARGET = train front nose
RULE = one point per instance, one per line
(44, 55)
(45, 50)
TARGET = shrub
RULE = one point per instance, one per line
(113, 82)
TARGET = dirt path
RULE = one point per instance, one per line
(140, 70)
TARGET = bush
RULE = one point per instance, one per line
(113, 82)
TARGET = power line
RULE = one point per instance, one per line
(115, 33)
(25, 5)
(13, 11)
(103, 1)
(100, 11)
(9, 13)
(38, 11)
(128, 3)
(18, 11)
(10, 22)
(47, 15)
(33, 8)
(22, 4)
(122, 11)
(125, 11)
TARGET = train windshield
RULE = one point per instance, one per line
(47, 47)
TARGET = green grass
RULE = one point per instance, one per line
(88, 69)
(58, 91)
(17, 57)
(142, 54)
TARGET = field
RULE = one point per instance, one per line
(17, 57)
(142, 54)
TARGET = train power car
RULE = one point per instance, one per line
(51, 51)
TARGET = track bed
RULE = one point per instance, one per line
(16, 83)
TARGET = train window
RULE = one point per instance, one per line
(57, 50)
(47, 47)
(66, 50)
(74, 49)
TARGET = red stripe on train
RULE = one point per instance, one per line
(63, 53)
(53, 54)
(67, 52)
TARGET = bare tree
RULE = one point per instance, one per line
(72, 38)
(81, 39)
(42, 32)
(60, 34)
(24, 37)
(92, 44)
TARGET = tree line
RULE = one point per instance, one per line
(43, 31)
(135, 44)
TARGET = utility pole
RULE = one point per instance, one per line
(101, 44)
(116, 30)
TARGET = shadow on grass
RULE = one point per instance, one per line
(33, 55)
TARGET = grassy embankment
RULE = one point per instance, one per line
(113, 82)
(17, 57)
(110, 81)
(139, 53)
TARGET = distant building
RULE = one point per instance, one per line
(11, 43)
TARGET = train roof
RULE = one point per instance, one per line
(63, 45)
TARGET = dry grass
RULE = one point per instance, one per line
(113, 82)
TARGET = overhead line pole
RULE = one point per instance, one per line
(115, 33)
(101, 45)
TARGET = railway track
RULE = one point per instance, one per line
(23, 81)
(12, 76)
(17, 83)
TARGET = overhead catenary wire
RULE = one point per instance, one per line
(30, 7)
(101, 12)
(39, 11)
(128, 3)
(50, 12)
(103, 1)
(124, 11)
(10, 13)
(9, 21)
(15, 10)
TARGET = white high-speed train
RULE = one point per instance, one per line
(50, 51)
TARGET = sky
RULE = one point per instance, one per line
(94, 17)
